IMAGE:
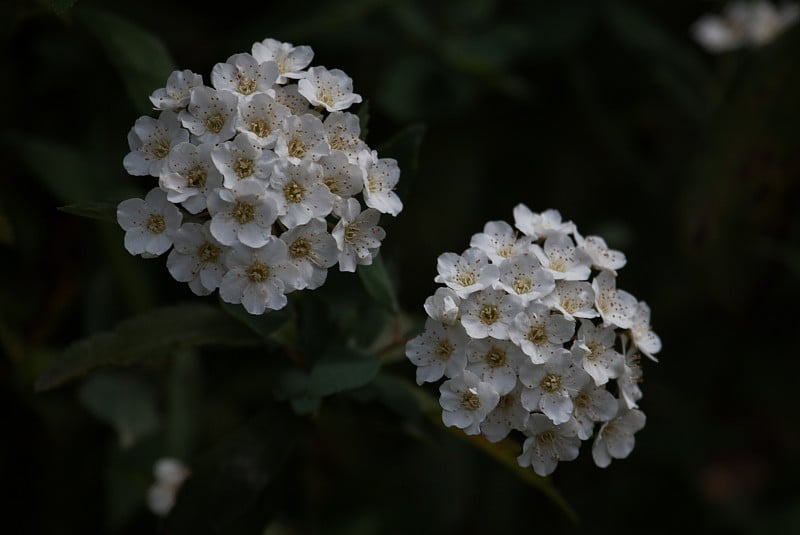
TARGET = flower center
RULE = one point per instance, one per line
(595, 350)
(338, 143)
(294, 192)
(297, 148)
(489, 314)
(466, 278)
(243, 212)
(546, 437)
(161, 148)
(444, 349)
(247, 85)
(470, 401)
(582, 400)
(374, 184)
(570, 305)
(505, 251)
(332, 183)
(156, 224)
(208, 252)
(260, 127)
(351, 233)
(558, 264)
(522, 285)
(551, 382)
(215, 122)
(537, 334)
(495, 357)
(505, 401)
(196, 177)
(299, 248)
(257, 271)
(244, 167)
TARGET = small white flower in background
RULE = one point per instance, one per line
(744, 24)
(532, 324)
(272, 179)
(170, 475)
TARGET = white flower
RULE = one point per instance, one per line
(524, 277)
(594, 352)
(495, 362)
(301, 138)
(149, 223)
(499, 241)
(331, 89)
(357, 235)
(300, 193)
(312, 250)
(150, 141)
(539, 333)
(289, 97)
(547, 444)
(602, 257)
(615, 439)
(466, 401)
(244, 74)
(259, 278)
(643, 336)
(507, 415)
(466, 273)
(561, 258)
(592, 404)
(616, 307)
(243, 214)
(175, 96)
(343, 178)
(540, 225)
(242, 159)
(753, 23)
(574, 299)
(439, 351)
(197, 258)
(629, 379)
(262, 117)
(210, 115)
(380, 178)
(443, 306)
(344, 133)
(189, 176)
(169, 474)
(291, 60)
(551, 386)
(489, 313)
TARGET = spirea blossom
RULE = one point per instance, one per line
(263, 182)
(744, 24)
(530, 335)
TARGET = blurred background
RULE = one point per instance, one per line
(605, 110)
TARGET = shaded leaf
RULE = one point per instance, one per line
(183, 396)
(101, 211)
(376, 281)
(233, 488)
(140, 58)
(125, 403)
(262, 324)
(156, 334)
(342, 369)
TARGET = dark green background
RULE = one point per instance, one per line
(605, 110)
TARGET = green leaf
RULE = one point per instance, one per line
(101, 211)
(234, 487)
(376, 282)
(404, 147)
(154, 335)
(125, 403)
(342, 369)
(140, 58)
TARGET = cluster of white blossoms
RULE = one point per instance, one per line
(532, 335)
(169, 474)
(263, 181)
(744, 24)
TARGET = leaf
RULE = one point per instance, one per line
(404, 147)
(125, 403)
(342, 369)
(376, 281)
(262, 324)
(234, 487)
(101, 211)
(61, 169)
(156, 334)
(140, 58)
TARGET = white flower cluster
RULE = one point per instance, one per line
(744, 23)
(266, 166)
(532, 334)
(169, 474)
